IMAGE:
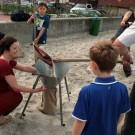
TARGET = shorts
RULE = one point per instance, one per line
(127, 38)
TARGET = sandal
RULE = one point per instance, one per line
(5, 119)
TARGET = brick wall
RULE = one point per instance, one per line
(78, 1)
(118, 3)
(92, 2)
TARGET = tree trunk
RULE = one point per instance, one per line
(19, 4)
(2, 3)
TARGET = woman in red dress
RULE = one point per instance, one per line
(10, 96)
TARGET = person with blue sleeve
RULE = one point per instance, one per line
(102, 104)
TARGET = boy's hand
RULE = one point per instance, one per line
(33, 16)
(36, 40)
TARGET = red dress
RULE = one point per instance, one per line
(9, 99)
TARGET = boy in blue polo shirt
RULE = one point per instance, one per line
(102, 104)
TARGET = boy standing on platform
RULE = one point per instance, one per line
(102, 104)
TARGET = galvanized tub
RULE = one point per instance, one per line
(50, 75)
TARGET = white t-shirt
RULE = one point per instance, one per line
(127, 38)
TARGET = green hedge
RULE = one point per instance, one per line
(12, 8)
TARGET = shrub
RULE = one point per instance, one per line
(13, 8)
(8, 8)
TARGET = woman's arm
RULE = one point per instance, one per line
(25, 68)
(126, 57)
(120, 123)
(78, 127)
(11, 80)
(125, 18)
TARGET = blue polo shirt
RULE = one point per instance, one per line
(100, 105)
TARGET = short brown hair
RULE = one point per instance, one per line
(1, 35)
(42, 4)
(105, 55)
(5, 44)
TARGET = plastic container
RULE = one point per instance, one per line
(95, 26)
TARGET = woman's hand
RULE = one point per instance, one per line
(42, 88)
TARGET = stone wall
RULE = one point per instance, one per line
(58, 27)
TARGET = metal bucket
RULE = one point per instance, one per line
(51, 75)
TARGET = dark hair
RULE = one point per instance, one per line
(5, 43)
(41, 4)
(1, 35)
(105, 55)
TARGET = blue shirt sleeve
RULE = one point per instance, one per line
(46, 22)
(81, 108)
